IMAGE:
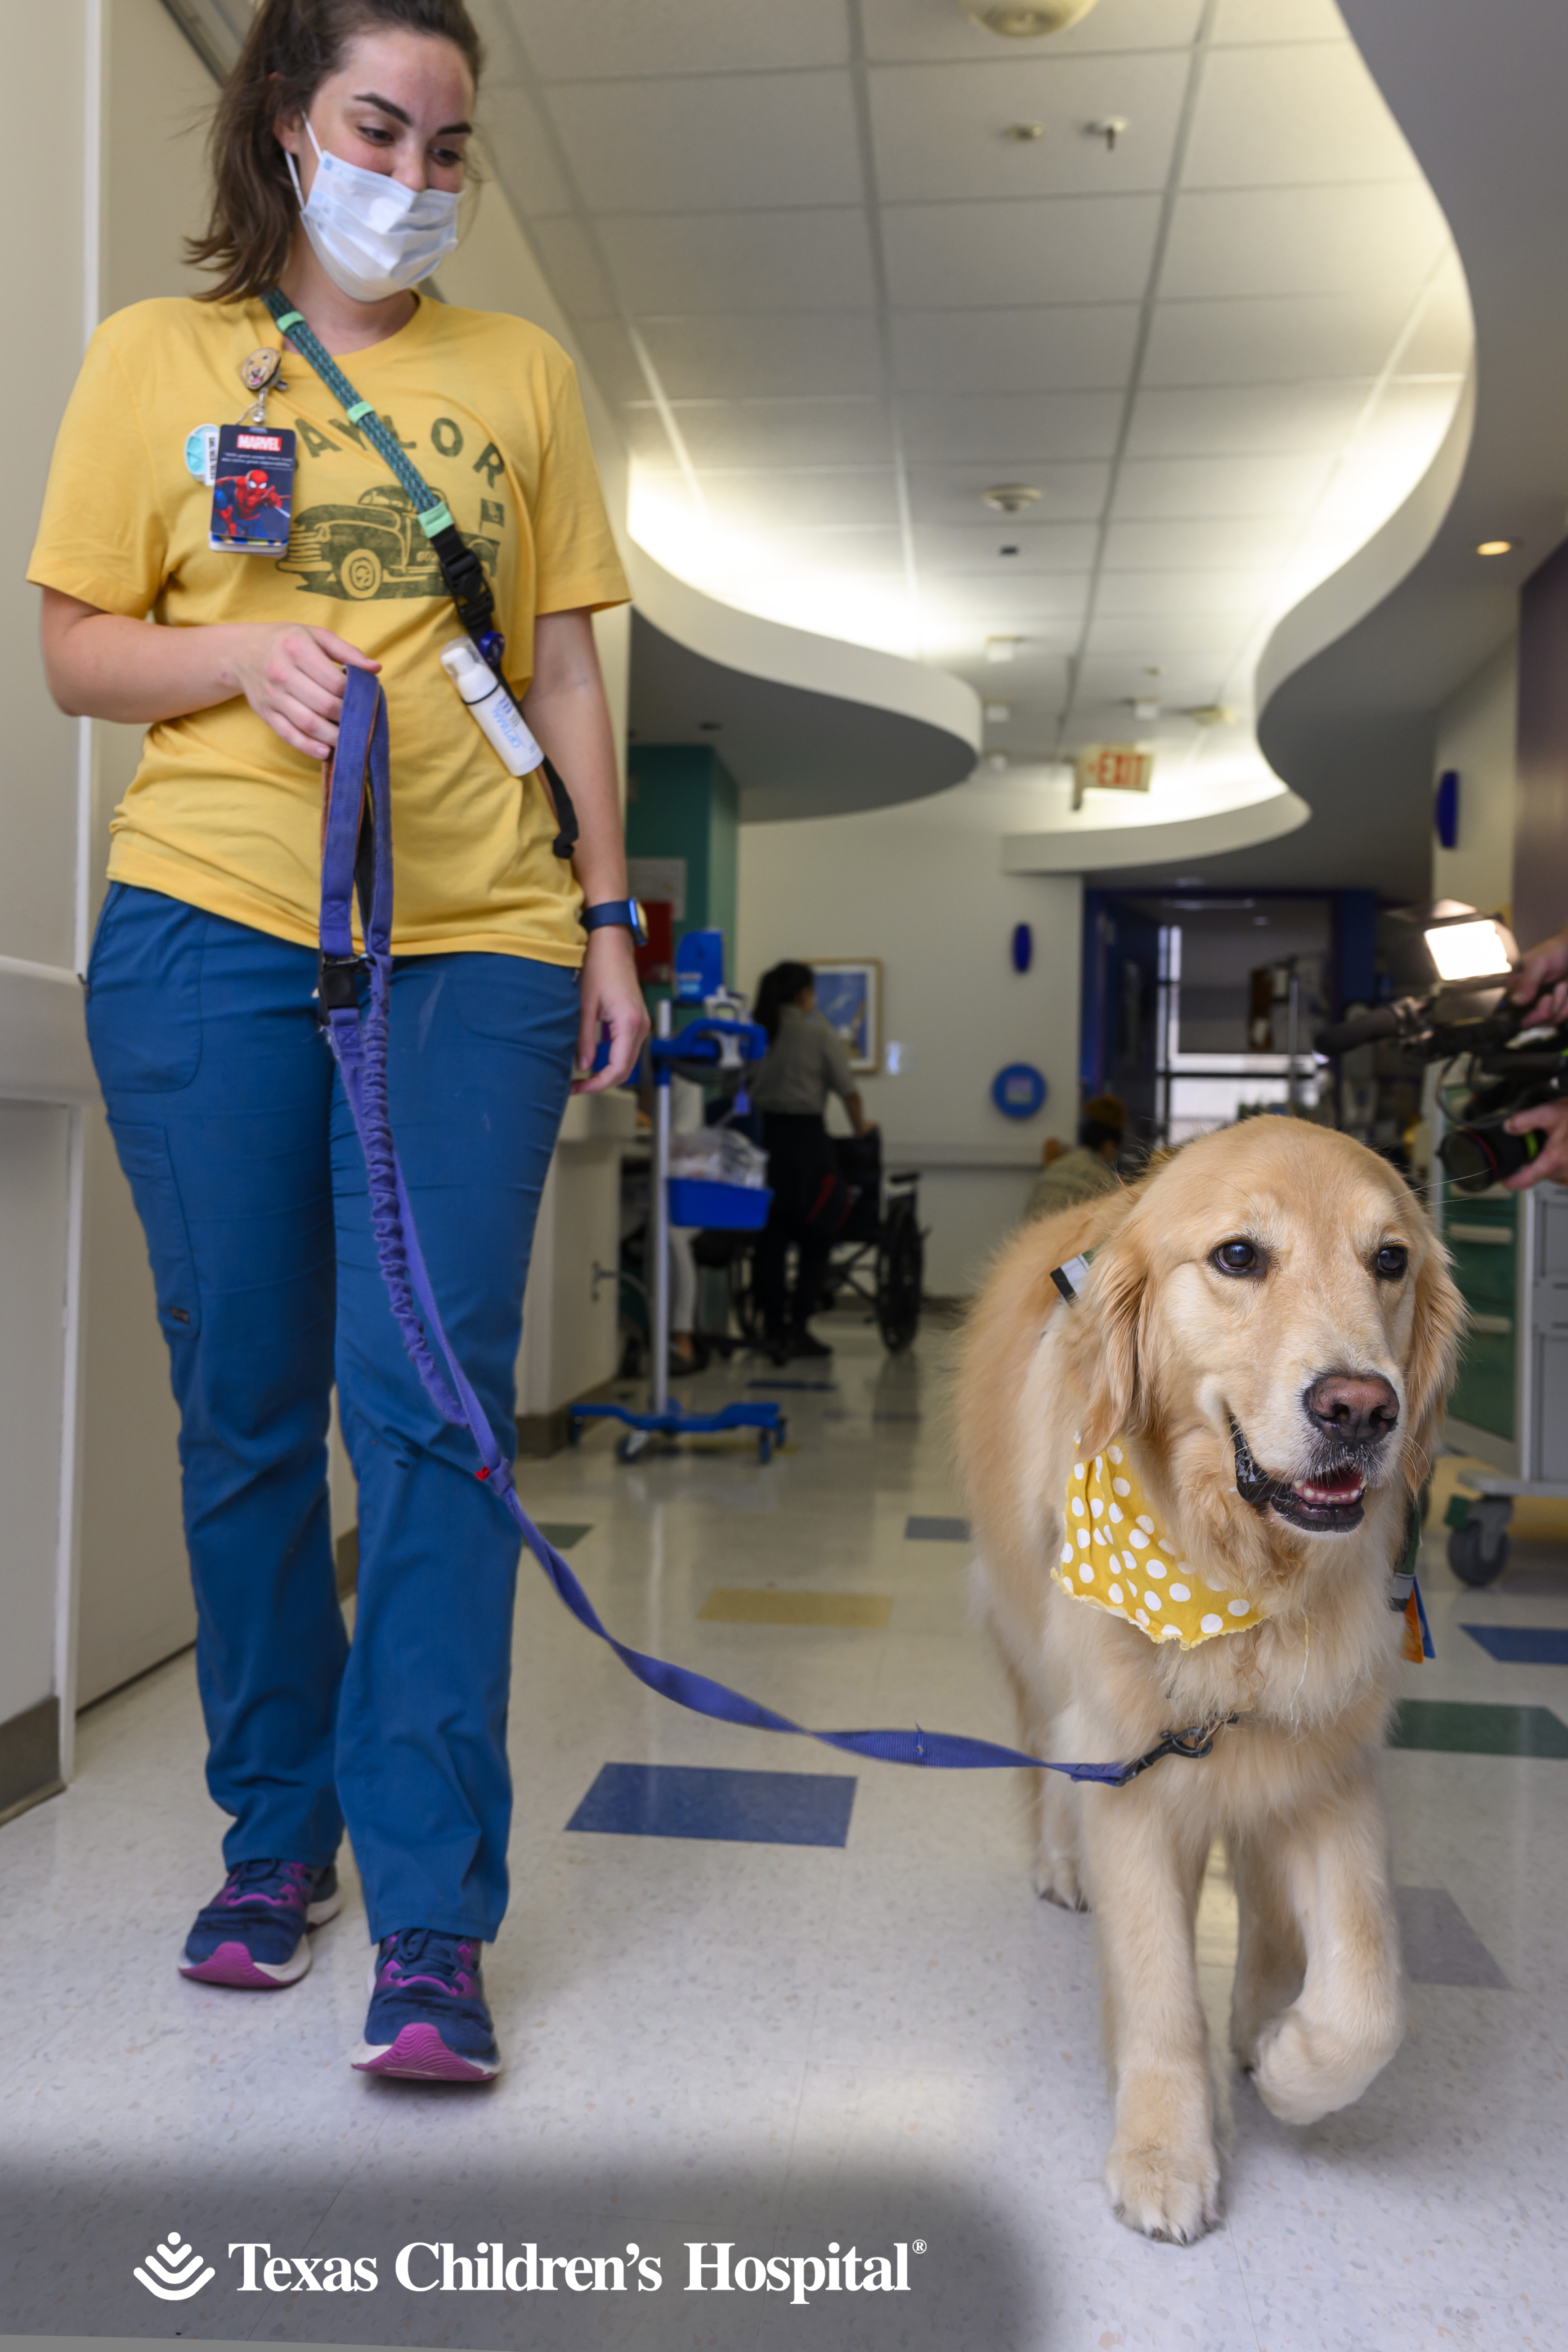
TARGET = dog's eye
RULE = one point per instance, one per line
(1237, 1257)
(1391, 1262)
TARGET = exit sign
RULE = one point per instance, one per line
(1112, 768)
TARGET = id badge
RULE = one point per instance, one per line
(253, 496)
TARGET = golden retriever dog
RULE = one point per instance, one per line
(1268, 1329)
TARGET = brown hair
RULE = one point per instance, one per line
(292, 46)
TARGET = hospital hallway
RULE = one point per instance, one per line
(751, 1991)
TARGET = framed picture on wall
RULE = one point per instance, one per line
(849, 999)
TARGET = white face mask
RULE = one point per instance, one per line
(373, 235)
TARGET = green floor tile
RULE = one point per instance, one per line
(1460, 1727)
(564, 1533)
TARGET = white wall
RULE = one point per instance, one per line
(1475, 735)
(921, 889)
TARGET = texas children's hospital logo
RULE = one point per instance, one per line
(173, 2271)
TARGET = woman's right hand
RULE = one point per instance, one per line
(292, 676)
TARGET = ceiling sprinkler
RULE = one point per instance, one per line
(1010, 498)
(1026, 20)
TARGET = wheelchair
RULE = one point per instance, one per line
(878, 1256)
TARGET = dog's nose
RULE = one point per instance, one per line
(1355, 1407)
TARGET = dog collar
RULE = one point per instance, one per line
(1116, 1557)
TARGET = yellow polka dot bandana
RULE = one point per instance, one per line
(1115, 1555)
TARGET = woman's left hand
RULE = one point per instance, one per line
(611, 996)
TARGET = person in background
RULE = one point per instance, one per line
(1069, 1177)
(803, 1064)
(1541, 982)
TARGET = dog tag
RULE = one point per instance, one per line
(253, 491)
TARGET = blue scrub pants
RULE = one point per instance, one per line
(232, 1127)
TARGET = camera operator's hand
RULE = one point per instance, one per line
(1552, 1118)
(1542, 981)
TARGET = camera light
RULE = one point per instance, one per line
(1467, 950)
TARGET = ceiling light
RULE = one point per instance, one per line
(1495, 547)
(1213, 714)
(999, 649)
(1145, 707)
(1010, 498)
(1469, 950)
(997, 714)
(1025, 131)
(1026, 20)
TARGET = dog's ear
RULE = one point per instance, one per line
(1108, 1350)
(1436, 1332)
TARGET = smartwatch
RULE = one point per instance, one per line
(623, 912)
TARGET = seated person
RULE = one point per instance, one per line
(1069, 1177)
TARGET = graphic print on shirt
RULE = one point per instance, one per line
(372, 548)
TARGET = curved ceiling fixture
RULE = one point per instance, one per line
(1026, 20)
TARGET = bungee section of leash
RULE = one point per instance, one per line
(356, 858)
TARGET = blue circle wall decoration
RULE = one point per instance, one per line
(1019, 1090)
(1023, 947)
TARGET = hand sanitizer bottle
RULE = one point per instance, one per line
(492, 705)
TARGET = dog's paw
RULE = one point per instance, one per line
(1303, 2070)
(1168, 2193)
(1057, 1879)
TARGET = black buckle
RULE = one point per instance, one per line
(1196, 1741)
(335, 991)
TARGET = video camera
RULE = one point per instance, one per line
(1466, 1014)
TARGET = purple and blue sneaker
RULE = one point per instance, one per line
(254, 1935)
(428, 2019)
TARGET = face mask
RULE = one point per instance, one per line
(373, 235)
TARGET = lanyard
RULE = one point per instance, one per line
(461, 570)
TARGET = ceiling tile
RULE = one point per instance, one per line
(1231, 545)
(514, 138)
(1268, 116)
(935, 31)
(565, 39)
(942, 132)
(1278, 20)
(712, 142)
(1107, 678)
(1152, 489)
(1007, 426)
(813, 352)
(845, 554)
(808, 259)
(611, 360)
(565, 247)
(1445, 332)
(642, 430)
(1203, 635)
(755, 502)
(1040, 350)
(952, 493)
(1272, 341)
(1290, 241)
(764, 432)
(942, 548)
(1053, 249)
(1261, 420)
(1153, 594)
(1030, 600)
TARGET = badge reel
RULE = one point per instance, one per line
(252, 468)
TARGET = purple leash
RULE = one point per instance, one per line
(356, 860)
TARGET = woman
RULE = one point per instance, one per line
(804, 1064)
(338, 154)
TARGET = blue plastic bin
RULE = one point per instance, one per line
(724, 1208)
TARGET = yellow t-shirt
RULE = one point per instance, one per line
(222, 813)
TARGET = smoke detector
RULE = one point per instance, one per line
(1001, 649)
(1025, 20)
(1010, 498)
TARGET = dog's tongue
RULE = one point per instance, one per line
(1338, 1487)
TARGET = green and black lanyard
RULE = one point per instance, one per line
(461, 570)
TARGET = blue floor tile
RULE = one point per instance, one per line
(688, 1800)
(1522, 1645)
(919, 1530)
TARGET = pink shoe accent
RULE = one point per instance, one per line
(420, 2055)
(231, 1964)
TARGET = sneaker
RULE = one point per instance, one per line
(428, 2019)
(254, 1935)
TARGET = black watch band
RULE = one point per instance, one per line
(622, 913)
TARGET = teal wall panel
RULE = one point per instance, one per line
(682, 802)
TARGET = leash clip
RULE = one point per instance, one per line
(1195, 1742)
(335, 983)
